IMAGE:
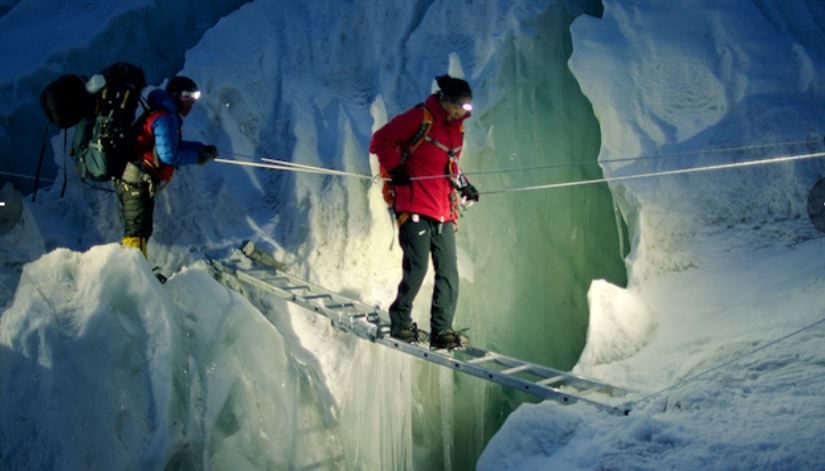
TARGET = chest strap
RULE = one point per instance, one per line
(451, 152)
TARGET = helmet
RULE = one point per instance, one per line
(182, 88)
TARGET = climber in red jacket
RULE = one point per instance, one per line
(420, 150)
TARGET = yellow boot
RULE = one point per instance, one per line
(136, 242)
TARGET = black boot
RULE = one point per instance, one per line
(408, 334)
(449, 339)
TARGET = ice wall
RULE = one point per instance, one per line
(102, 367)
(723, 303)
(747, 88)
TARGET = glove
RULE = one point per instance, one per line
(469, 192)
(206, 154)
(400, 176)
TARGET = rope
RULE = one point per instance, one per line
(312, 169)
(750, 163)
(20, 175)
(275, 164)
(733, 360)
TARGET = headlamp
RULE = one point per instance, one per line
(190, 96)
(467, 106)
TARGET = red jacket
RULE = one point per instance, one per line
(428, 197)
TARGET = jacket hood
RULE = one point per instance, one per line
(159, 99)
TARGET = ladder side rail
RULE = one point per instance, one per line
(362, 328)
(546, 372)
(368, 330)
(513, 382)
(504, 360)
(319, 291)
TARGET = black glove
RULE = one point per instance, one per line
(469, 192)
(400, 176)
(207, 153)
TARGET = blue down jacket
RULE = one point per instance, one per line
(158, 140)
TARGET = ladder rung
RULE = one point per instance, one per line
(290, 288)
(515, 369)
(264, 276)
(339, 305)
(483, 359)
(552, 380)
(317, 296)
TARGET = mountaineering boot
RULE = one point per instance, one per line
(135, 242)
(407, 334)
(449, 339)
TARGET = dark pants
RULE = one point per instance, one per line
(420, 239)
(137, 203)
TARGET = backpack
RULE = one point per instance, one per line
(102, 112)
(66, 101)
(101, 145)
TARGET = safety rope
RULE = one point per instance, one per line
(30, 177)
(707, 168)
(293, 167)
(303, 168)
(631, 159)
(652, 395)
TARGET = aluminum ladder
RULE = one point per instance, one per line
(263, 272)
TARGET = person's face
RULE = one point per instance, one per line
(186, 100)
(456, 110)
(185, 106)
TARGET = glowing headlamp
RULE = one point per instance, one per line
(467, 107)
(190, 96)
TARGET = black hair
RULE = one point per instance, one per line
(453, 89)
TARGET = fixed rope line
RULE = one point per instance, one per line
(707, 168)
(714, 150)
(20, 175)
(275, 164)
(312, 169)
(733, 360)
(279, 165)
(628, 159)
(565, 164)
(294, 166)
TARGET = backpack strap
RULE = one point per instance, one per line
(423, 133)
(40, 163)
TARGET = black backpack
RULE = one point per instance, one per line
(66, 101)
(102, 117)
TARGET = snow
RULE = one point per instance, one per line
(717, 333)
